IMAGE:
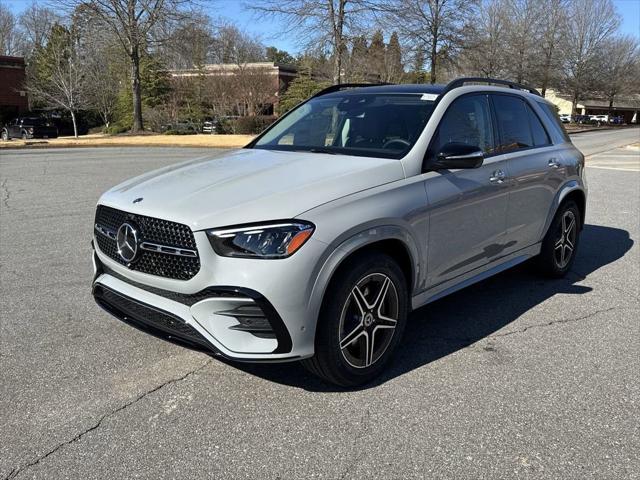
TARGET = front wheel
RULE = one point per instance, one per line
(560, 244)
(25, 136)
(362, 320)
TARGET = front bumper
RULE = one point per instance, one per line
(212, 319)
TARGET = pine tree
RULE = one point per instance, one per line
(418, 75)
(393, 64)
(301, 88)
(358, 60)
(376, 56)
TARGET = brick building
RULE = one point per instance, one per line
(264, 80)
(13, 97)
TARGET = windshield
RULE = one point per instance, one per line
(373, 125)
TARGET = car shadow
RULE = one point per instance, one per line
(463, 318)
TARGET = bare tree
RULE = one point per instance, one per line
(590, 23)
(552, 36)
(620, 59)
(36, 22)
(483, 52)
(523, 21)
(188, 43)
(11, 38)
(436, 26)
(131, 21)
(57, 77)
(103, 77)
(324, 22)
(232, 45)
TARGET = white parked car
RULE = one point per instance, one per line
(316, 240)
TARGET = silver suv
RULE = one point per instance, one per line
(316, 240)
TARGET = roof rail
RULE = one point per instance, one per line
(342, 86)
(460, 82)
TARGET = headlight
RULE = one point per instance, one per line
(274, 240)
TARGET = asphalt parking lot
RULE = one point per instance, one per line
(513, 377)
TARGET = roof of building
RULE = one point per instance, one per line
(630, 102)
(231, 68)
(11, 61)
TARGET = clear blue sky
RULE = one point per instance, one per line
(269, 30)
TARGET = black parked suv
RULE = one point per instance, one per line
(28, 127)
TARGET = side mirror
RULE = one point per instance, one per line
(457, 155)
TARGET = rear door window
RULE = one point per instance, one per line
(513, 123)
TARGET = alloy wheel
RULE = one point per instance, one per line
(565, 244)
(368, 320)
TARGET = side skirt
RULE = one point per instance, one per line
(474, 276)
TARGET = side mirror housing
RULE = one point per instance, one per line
(457, 155)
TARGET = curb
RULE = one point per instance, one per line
(116, 145)
(600, 129)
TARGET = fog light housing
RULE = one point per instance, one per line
(250, 319)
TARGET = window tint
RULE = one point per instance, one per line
(540, 137)
(558, 133)
(466, 121)
(352, 123)
(511, 114)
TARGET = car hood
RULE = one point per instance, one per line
(249, 185)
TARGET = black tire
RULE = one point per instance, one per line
(558, 242)
(5, 135)
(25, 136)
(341, 311)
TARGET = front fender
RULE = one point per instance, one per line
(338, 253)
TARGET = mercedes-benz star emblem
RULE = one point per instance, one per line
(127, 242)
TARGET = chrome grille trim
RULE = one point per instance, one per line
(107, 232)
(180, 252)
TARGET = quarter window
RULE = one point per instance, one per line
(558, 131)
(468, 121)
(540, 137)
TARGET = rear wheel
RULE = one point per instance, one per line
(362, 321)
(561, 242)
(5, 135)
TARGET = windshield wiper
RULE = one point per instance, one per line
(322, 150)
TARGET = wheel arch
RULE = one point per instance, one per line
(572, 190)
(392, 240)
(579, 197)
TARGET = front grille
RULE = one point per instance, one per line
(152, 230)
(150, 319)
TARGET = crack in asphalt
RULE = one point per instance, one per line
(6, 193)
(468, 341)
(359, 455)
(17, 470)
(553, 322)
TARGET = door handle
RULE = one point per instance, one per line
(553, 163)
(497, 177)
